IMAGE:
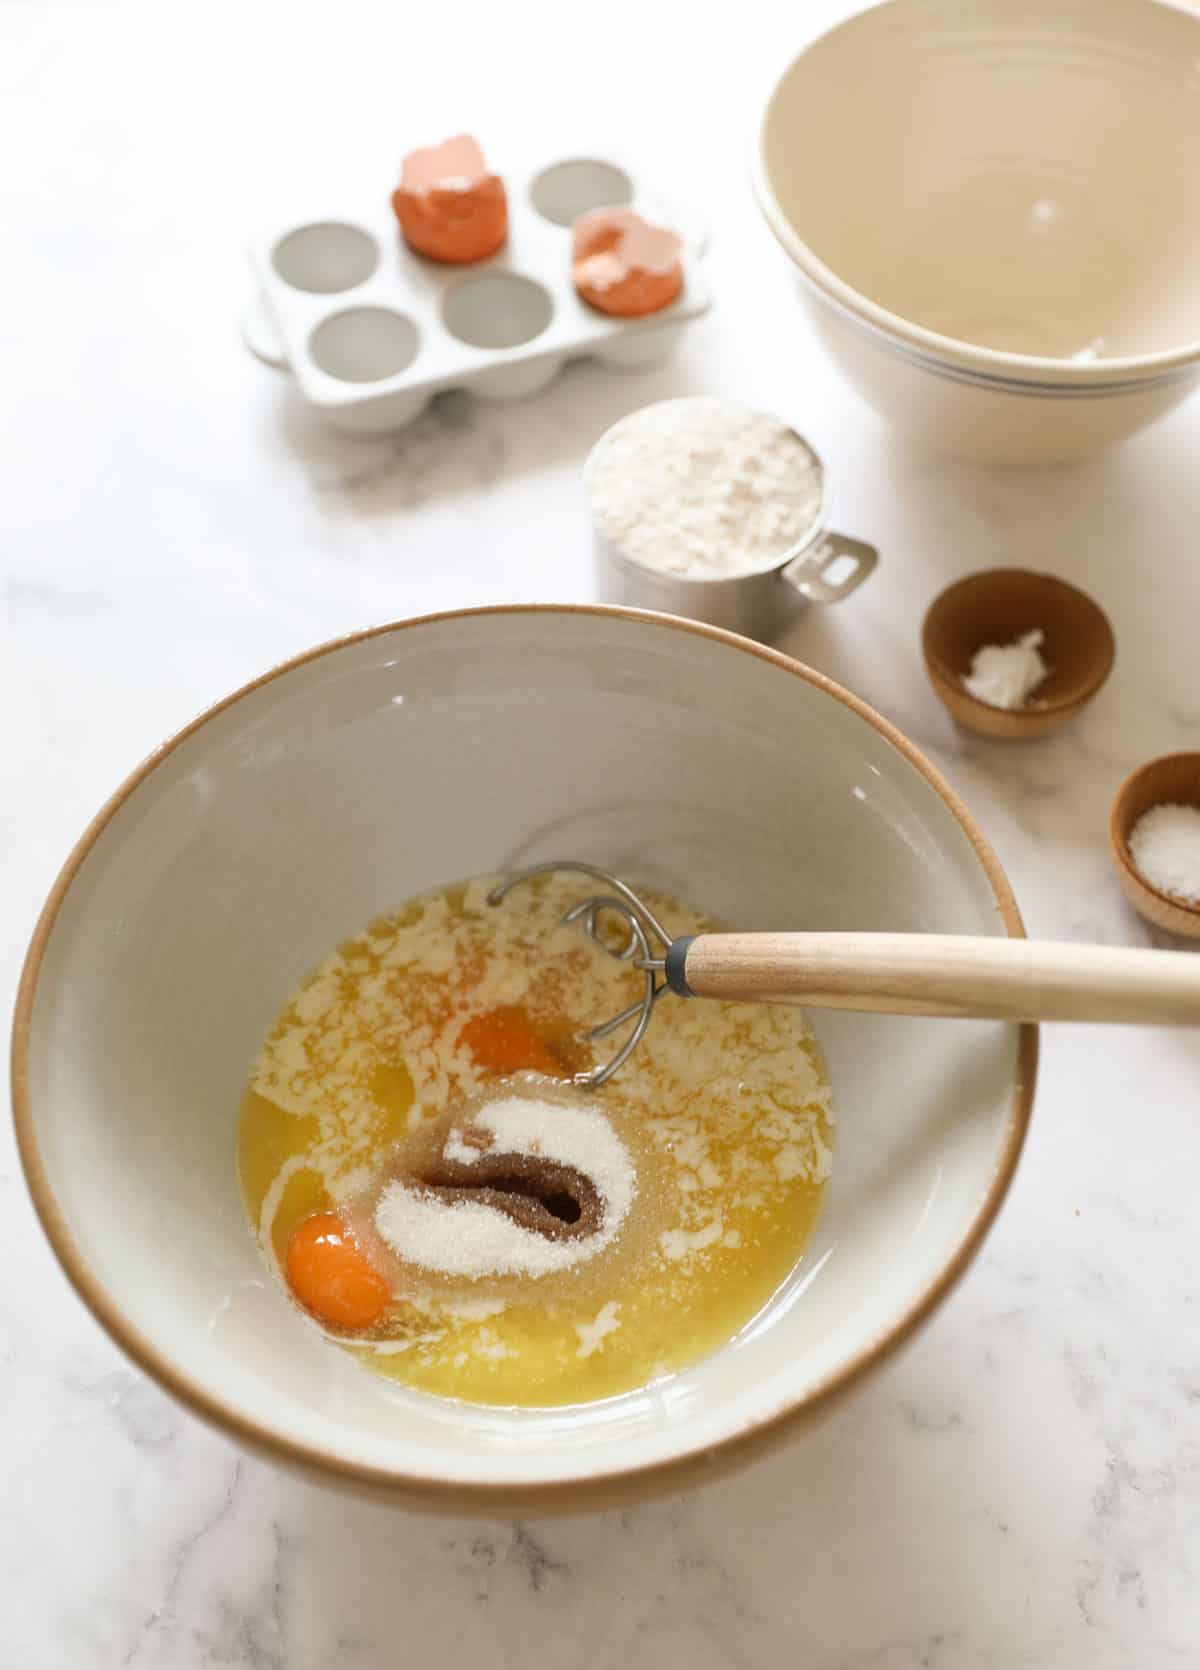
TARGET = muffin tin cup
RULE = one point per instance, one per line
(371, 330)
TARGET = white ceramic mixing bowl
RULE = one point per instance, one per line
(334, 787)
(993, 207)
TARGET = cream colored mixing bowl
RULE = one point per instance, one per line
(372, 769)
(994, 211)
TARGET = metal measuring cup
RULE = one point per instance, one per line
(819, 567)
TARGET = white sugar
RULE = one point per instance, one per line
(457, 1149)
(469, 1238)
(465, 1237)
(1006, 675)
(1165, 846)
(574, 1134)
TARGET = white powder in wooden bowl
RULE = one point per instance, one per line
(703, 488)
(1165, 846)
(470, 1239)
(1006, 675)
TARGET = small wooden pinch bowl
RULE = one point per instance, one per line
(998, 606)
(1170, 780)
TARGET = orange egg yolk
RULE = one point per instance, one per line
(505, 1040)
(331, 1276)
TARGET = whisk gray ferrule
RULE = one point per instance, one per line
(675, 966)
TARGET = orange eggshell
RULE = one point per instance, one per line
(450, 207)
(623, 265)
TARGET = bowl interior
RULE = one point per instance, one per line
(1013, 174)
(442, 749)
(1002, 604)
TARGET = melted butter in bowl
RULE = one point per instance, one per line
(541, 1246)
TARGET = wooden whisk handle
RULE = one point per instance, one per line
(942, 974)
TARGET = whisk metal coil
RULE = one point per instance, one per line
(644, 948)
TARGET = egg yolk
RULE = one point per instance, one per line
(505, 1040)
(331, 1276)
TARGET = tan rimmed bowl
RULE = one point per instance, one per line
(1000, 249)
(998, 606)
(339, 784)
(1170, 780)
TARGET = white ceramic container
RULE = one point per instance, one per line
(1002, 247)
(371, 330)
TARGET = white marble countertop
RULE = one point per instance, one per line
(1022, 1488)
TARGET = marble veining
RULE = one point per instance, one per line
(1021, 1489)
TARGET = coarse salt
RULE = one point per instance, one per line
(1006, 675)
(1165, 847)
(471, 1239)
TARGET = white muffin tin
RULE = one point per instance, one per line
(372, 330)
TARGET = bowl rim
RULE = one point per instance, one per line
(587, 1489)
(931, 349)
(940, 669)
(1118, 838)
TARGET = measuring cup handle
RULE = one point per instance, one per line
(807, 572)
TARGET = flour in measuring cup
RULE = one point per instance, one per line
(703, 488)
